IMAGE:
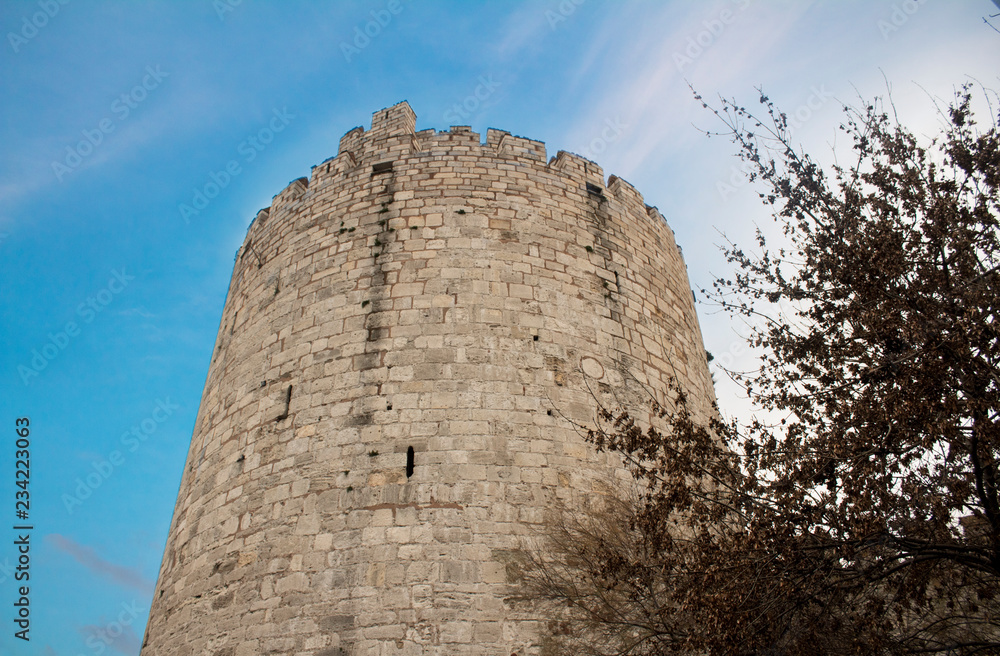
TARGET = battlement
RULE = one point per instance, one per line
(400, 119)
(393, 147)
(351, 142)
(573, 165)
(393, 136)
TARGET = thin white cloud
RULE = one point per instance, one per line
(137, 312)
(655, 101)
(525, 25)
(86, 556)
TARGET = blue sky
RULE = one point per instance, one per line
(115, 114)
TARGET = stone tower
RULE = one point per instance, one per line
(409, 337)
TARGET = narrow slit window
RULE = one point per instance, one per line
(288, 405)
(594, 189)
(409, 461)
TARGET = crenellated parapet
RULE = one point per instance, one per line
(393, 141)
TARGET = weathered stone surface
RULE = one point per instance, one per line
(465, 303)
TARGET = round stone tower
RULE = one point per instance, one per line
(410, 340)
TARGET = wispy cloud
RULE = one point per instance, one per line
(657, 92)
(137, 312)
(524, 26)
(124, 576)
(24, 185)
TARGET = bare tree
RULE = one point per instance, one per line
(866, 521)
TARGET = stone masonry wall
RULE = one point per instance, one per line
(409, 337)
